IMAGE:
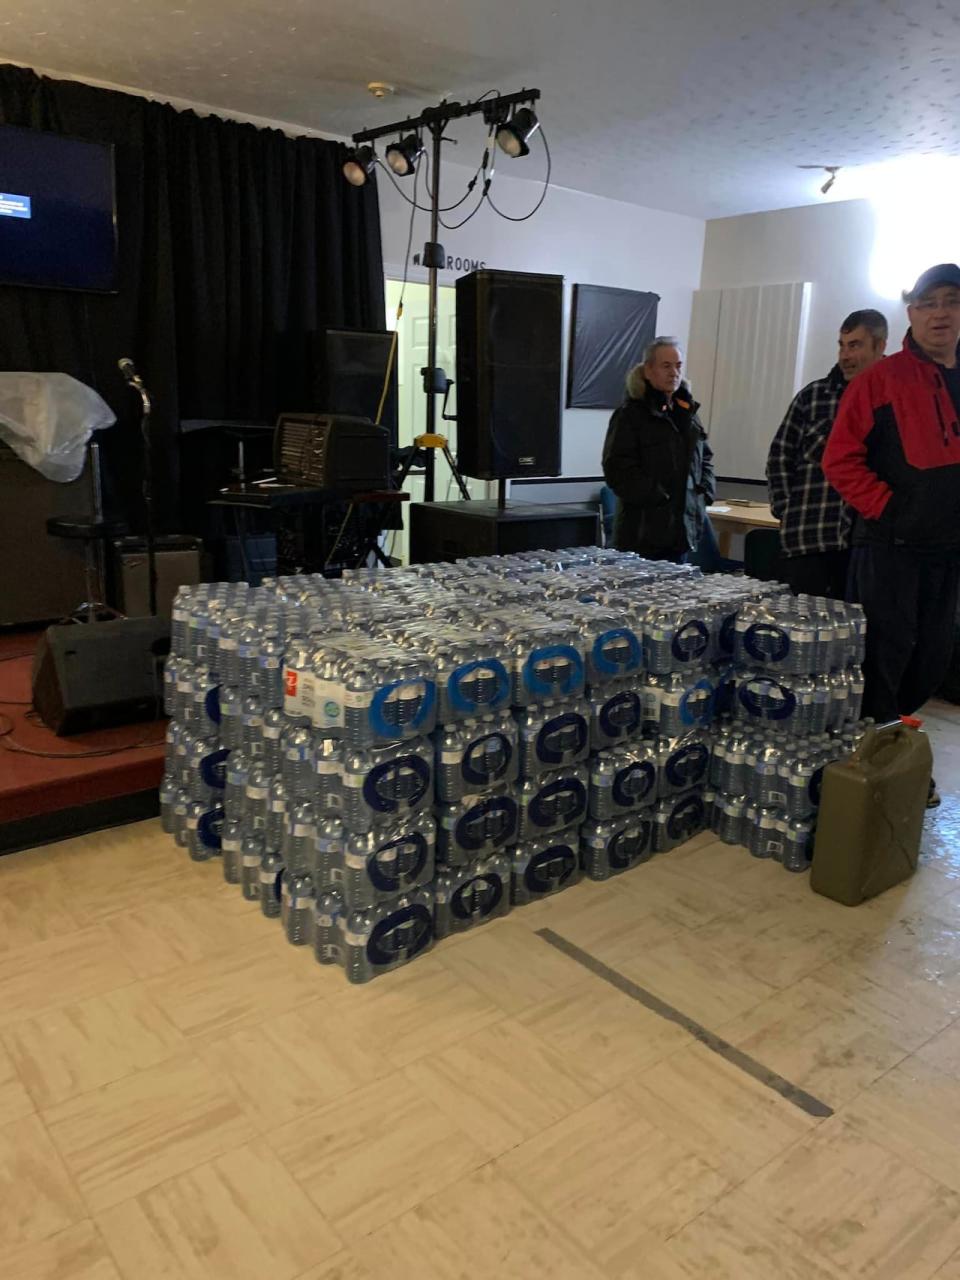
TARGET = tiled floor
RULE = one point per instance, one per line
(185, 1097)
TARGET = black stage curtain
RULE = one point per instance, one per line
(237, 245)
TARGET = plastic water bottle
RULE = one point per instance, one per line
(730, 821)
(622, 779)
(231, 850)
(614, 846)
(676, 820)
(203, 826)
(616, 714)
(181, 805)
(554, 800)
(251, 856)
(270, 738)
(552, 735)
(388, 935)
(299, 846)
(378, 865)
(465, 897)
(297, 899)
(168, 797)
(271, 869)
(297, 762)
(251, 727)
(235, 790)
(683, 764)
(231, 725)
(798, 840)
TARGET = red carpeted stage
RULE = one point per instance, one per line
(52, 788)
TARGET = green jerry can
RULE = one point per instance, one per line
(871, 815)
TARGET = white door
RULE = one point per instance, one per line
(412, 333)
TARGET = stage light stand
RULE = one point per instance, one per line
(434, 120)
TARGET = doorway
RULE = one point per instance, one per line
(411, 402)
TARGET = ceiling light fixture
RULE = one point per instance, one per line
(514, 135)
(359, 165)
(402, 156)
(830, 169)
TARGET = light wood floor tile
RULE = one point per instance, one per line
(693, 975)
(37, 1196)
(60, 971)
(503, 1085)
(807, 1036)
(247, 984)
(943, 1051)
(941, 996)
(82, 1046)
(294, 1063)
(510, 965)
(618, 1185)
(662, 888)
(417, 1012)
(374, 1154)
(914, 1111)
(774, 943)
(734, 1240)
(889, 1009)
(238, 1217)
(122, 870)
(729, 868)
(859, 1206)
(717, 1111)
(187, 930)
(603, 1033)
(609, 921)
(482, 1227)
(130, 1135)
(33, 907)
(78, 1253)
(15, 1101)
(343, 1267)
(950, 1270)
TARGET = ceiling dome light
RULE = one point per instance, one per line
(402, 156)
(514, 136)
(359, 165)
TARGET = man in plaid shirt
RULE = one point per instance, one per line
(814, 521)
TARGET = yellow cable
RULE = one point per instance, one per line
(389, 373)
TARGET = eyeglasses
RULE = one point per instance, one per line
(950, 303)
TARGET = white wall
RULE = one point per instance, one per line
(830, 245)
(586, 239)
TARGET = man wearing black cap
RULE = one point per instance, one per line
(894, 456)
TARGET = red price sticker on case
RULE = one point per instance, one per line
(291, 679)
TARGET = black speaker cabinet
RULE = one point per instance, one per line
(451, 530)
(509, 338)
(93, 675)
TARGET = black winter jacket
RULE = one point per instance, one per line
(660, 466)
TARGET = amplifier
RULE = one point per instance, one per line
(330, 451)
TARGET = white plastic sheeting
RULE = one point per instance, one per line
(47, 420)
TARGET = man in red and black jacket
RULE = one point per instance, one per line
(894, 456)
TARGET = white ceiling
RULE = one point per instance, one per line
(703, 107)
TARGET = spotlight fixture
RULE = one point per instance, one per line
(831, 170)
(359, 165)
(514, 135)
(402, 156)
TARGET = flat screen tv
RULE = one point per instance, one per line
(58, 220)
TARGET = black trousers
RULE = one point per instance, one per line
(910, 599)
(823, 574)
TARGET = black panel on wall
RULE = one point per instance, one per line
(237, 245)
(608, 332)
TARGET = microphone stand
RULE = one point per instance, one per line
(146, 407)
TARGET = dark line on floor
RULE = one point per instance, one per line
(799, 1097)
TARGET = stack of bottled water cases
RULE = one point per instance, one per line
(403, 755)
(796, 709)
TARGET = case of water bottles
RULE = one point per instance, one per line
(474, 755)
(473, 894)
(407, 754)
(611, 846)
(544, 865)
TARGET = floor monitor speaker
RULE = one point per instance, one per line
(93, 675)
(509, 327)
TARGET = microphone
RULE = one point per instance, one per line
(129, 371)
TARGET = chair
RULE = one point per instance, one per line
(761, 554)
(94, 532)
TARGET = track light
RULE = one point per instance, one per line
(402, 156)
(832, 170)
(514, 135)
(359, 165)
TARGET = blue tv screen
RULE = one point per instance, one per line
(58, 222)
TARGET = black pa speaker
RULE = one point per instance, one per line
(509, 338)
(355, 374)
(94, 675)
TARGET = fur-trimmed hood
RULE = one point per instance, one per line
(637, 387)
